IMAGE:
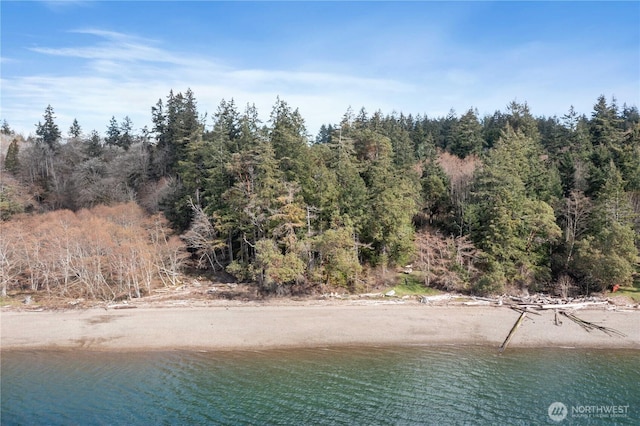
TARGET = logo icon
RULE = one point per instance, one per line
(557, 411)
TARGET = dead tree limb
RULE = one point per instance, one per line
(588, 326)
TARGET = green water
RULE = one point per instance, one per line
(364, 386)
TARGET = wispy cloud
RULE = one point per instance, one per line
(6, 60)
(116, 73)
(124, 74)
(62, 5)
(114, 46)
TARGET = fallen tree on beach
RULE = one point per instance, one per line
(559, 309)
(588, 326)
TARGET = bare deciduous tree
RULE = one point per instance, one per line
(460, 172)
(203, 239)
(104, 253)
(576, 211)
(446, 262)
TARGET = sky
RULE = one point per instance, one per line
(94, 60)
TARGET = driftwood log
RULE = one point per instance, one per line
(513, 331)
(567, 305)
(558, 309)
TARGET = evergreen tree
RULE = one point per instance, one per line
(352, 190)
(5, 129)
(12, 161)
(492, 127)
(612, 200)
(606, 259)
(520, 119)
(159, 120)
(93, 145)
(208, 156)
(338, 255)
(508, 219)
(403, 153)
(126, 136)
(467, 136)
(175, 125)
(287, 134)
(435, 191)
(361, 120)
(629, 160)
(573, 152)
(600, 160)
(554, 137)
(257, 183)
(605, 253)
(324, 134)
(193, 169)
(48, 132)
(605, 124)
(323, 191)
(226, 126)
(391, 201)
(446, 130)
(423, 141)
(567, 171)
(113, 133)
(579, 140)
(274, 269)
(160, 157)
(75, 131)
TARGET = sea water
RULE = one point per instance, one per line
(325, 386)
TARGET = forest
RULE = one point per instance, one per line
(478, 205)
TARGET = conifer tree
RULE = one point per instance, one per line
(608, 255)
(175, 124)
(5, 129)
(12, 161)
(520, 119)
(48, 132)
(391, 201)
(467, 136)
(75, 130)
(113, 133)
(403, 153)
(605, 124)
(287, 134)
(338, 255)
(126, 133)
(93, 145)
(509, 220)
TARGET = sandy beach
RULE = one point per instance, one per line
(272, 326)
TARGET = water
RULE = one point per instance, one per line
(364, 386)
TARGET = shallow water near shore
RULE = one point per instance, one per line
(366, 385)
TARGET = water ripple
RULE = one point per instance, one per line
(394, 386)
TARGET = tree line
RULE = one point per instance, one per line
(475, 204)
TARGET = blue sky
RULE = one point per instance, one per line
(94, 60)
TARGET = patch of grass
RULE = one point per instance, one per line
(412, 285)
(10, 301)
(632, 293)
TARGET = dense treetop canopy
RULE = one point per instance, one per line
(475, 203)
